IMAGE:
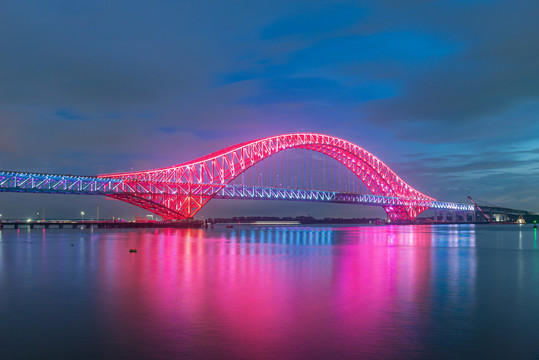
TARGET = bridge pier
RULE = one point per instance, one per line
(462, 216)
(446, 215)
(454, 216)
(469, 216)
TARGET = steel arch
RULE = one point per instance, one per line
(180, 191)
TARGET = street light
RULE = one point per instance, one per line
(82, 215)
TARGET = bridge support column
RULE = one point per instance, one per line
(468, 216)
(439, 215)
(461, 216)
(449, 215)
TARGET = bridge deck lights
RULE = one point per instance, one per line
(179, 192)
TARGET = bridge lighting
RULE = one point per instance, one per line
(82, 215)
(378, 177)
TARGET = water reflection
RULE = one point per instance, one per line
(268, 292)
(249, 291)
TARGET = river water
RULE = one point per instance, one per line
(298, 292)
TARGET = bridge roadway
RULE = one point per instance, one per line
(92, 185)
(104, 224)
(269, 193)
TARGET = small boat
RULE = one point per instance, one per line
(229, 226)
(132, 250)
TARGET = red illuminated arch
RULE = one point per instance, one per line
(180, 191)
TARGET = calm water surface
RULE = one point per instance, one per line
(321, 292)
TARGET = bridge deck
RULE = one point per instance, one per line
(93, 185)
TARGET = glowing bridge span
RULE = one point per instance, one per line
(180, 191)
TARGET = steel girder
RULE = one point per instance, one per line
(200, 180)
(58, 184)
(273, 193)
(163, 198)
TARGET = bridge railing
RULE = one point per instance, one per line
(64, 184)
(269, 193)
(51, 183)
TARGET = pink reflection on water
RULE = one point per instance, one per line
(267, 293)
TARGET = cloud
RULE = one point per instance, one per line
(68, 114)
(444, 92)
(492, 73)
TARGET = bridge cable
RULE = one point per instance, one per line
(299, 163)
(333, 174)
(270, 174)
(311, 168)
(324, 172)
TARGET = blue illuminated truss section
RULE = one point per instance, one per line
(58, 184)
(73, 184)
(444, 205)
(267, 193)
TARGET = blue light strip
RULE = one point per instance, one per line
(72, 184)
(51, 183)
(267, 193)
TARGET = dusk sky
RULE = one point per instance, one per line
(446, 93)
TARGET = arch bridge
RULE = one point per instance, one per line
(295, 160)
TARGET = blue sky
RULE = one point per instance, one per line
(446, 93)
